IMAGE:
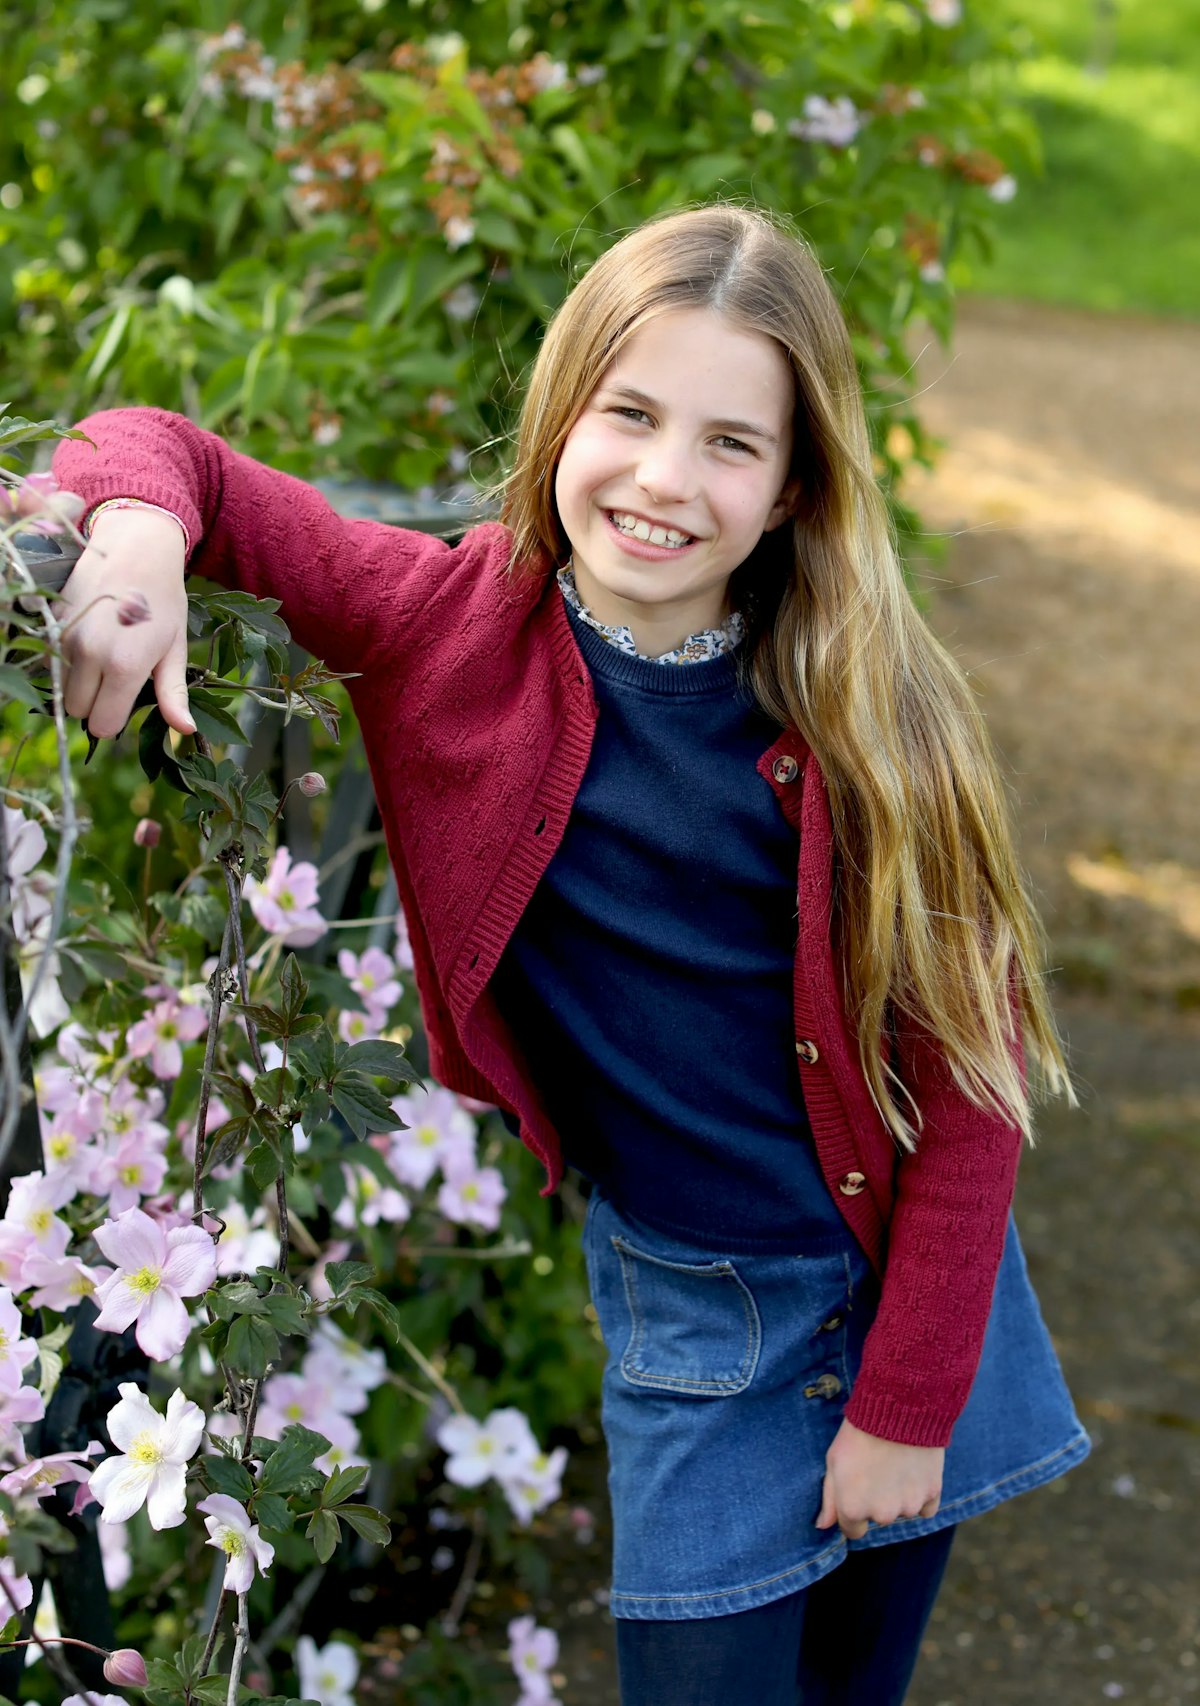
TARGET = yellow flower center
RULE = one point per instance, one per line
(470, 1192)
(61, 1145)
(145, 1280)
(39, 1221)
(4, 1341)
(294, 1412)
(232, 1543)
(427, 1134)
(145, 1450)
(285, 899)
(168, 1030)
(130, 1174)
(81, 1286)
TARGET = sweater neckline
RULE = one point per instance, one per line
(666, 680)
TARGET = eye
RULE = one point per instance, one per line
(629, 413)
(727, 443)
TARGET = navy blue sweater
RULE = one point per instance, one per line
(649, 981)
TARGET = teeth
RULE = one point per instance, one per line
(638, 529)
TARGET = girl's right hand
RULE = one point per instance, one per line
(125, 611)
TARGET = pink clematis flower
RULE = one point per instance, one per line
(41, 1475)
(62, 1282)
(231, 1531)
(130, 1172)
(170, 1023)
(471, 1196)
(372, 976)
(16, 1353)
(533, 1654)
(285, 902)
(438, 1134)
(155, 1271)
(31, 1205)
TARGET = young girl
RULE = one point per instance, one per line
(711, 888)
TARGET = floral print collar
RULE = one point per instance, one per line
(697, 648)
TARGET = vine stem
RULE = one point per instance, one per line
(57, 1661)
(241, 1640)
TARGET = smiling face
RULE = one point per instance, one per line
(675, 469)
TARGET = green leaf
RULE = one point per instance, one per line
(225, 1476)
(340, 1276)
(271, 1510)
(160, 1674)
(379, 1306)
(381, 1059)
(252, 1345)
(343, 1484)
(285, 1313)
(361, 1105)
(289, 1469)
(370, 1523)
(213, 718)
(324, 1531)
(50, 1359)
(238, 1297)
(263, 1165)
(225, 1142)
(15, 684)
(109, 343)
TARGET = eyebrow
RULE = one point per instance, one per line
(747, 429)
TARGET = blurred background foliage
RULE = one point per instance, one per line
(332, 230)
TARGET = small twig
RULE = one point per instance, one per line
(292, 1612)
(58, 1662)
(466, 1582)
(212, 1633)
(241, 1640)
(210, 1053)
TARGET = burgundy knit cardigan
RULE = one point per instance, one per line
(477, 714)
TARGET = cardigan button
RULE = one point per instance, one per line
(827, 1386)
(808, 1051)
(833, 1323)
(852, 1184)
(785, 769)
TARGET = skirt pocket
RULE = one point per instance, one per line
(694, 1327)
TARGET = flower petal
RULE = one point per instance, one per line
(121, 1486)
(132, 1415)
(121, 1304)
(132, 1240)
(167, 1504)
(191, 1264)
(162, 1327)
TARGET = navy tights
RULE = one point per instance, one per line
(851, 1639)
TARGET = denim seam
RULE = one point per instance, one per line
(732, 1593)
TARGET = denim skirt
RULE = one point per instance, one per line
(725, 1384)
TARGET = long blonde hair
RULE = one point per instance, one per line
(933, 923)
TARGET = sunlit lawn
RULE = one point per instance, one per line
(1114, 222)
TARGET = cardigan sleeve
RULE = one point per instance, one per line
(945, 1242)
(346, 588)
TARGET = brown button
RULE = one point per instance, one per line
(827, 1386)
(852, 1184)
(833, 1322)
(808, 1051)
(785, 769)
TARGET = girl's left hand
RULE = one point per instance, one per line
(876, 1480)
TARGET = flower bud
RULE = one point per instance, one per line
(127, 1667)
(148, 833)
(311, 784)
(134, 607)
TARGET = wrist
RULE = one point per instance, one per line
(111, 520)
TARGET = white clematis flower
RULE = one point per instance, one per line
(153, 1466)
(231, 1531)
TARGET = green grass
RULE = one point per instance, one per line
(1114, 222)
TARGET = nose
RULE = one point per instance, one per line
(666, 471)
